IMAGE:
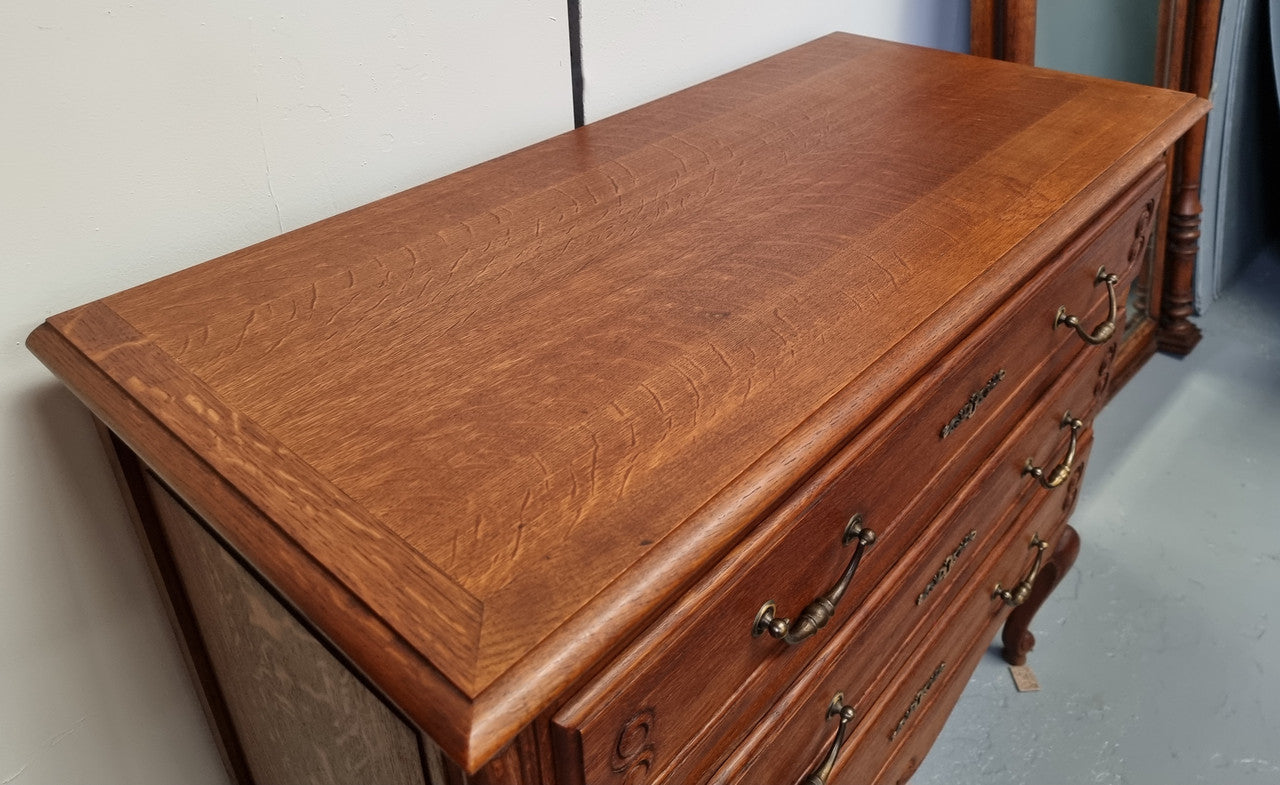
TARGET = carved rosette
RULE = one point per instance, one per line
(634, 751)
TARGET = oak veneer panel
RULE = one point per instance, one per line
(301, 716)
(499, 413)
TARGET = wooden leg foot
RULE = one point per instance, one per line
(1178, 338)
(1177, 335)
(1017, 637)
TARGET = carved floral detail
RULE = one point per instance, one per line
(1140, 232)
(1104, 371)
(947, 564)
(634, 751)
(1073, 488)
(971, 405)
(917, 700)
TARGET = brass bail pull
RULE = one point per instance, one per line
(817, 613)
(1103, 332)
(1022, 591)
(1062, 471)
(846, 713)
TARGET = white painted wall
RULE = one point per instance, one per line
(633, 52)
(142, 136)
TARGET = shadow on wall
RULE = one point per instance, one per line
(99, 543)
(94, 655)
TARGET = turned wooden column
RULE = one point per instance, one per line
(1003, 30)
(1184, 62)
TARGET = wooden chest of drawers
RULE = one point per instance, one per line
(709, 442)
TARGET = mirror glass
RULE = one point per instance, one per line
(1113, 40)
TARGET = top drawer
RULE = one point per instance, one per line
(896, 474)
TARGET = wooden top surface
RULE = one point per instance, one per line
(510, 412)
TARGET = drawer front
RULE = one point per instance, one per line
(897, 704)
(904, 605)
(738, 676)
(973, 398)
(896, 475)
(902, 736)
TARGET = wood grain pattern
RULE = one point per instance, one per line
(596, 363)
(1019, 32)
(1003, 29)
(883, 623)
(890, 475)
(384, 656)
(983, 29)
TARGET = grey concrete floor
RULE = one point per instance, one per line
(1156, 656)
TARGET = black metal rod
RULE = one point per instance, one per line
(575, 62)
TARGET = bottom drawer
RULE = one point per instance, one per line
(908, 714)
(903, 726)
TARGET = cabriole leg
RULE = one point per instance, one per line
(1017, 636)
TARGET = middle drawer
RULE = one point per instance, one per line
(674, 702)
(900, 706)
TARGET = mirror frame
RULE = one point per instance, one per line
(1187, 36)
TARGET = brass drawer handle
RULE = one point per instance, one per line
(817, 613)
(1062, 471)
(1103, 332)
(1022, 591)
(820, 774)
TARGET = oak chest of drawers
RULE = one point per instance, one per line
(709, 442)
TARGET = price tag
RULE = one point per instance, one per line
(1024, 679)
